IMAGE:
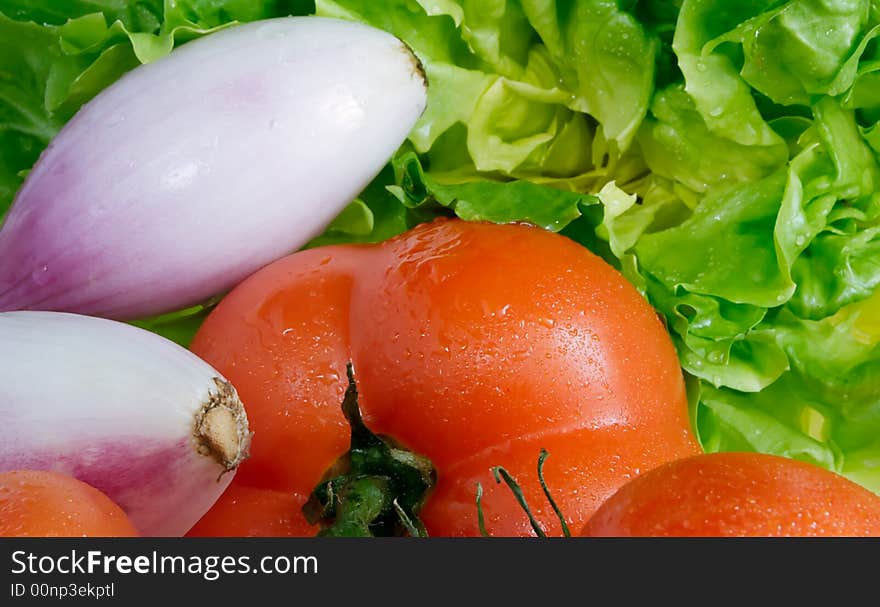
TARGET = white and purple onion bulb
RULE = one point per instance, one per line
(190, 173)
(137, 416)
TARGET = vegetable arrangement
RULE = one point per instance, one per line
(129, 198)
(716, 160)
(732, 152)
(465, 356)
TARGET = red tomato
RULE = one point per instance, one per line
(738, 494)
(245, 511)
(474, 345)
(49, 504)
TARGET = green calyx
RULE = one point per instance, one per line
(374, 490)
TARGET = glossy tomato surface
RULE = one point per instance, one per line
(49, 504)
(473, 344)
(738, 494)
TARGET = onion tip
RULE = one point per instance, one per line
(417, 66)
(221, 427)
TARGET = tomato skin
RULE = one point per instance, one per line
(473, 344)
(278, 514)
(49, 504)
(736, 495)
(283, 335)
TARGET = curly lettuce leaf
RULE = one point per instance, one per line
(797, 50)
(26, 60)
(485, 200)
(519, 88)
(764, 281)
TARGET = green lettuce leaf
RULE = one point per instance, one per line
(485, 200)
(527, 82)
(26, 60)
(796, 50)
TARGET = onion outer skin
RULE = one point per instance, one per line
(192, 172)
(121, 409)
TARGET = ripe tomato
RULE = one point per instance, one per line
(49, 504)
(738, 494)
(474, 345)
(245, 511)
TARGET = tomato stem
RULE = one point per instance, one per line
(543, 456)
(481, 521)
(500, 474)
(375, 489)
